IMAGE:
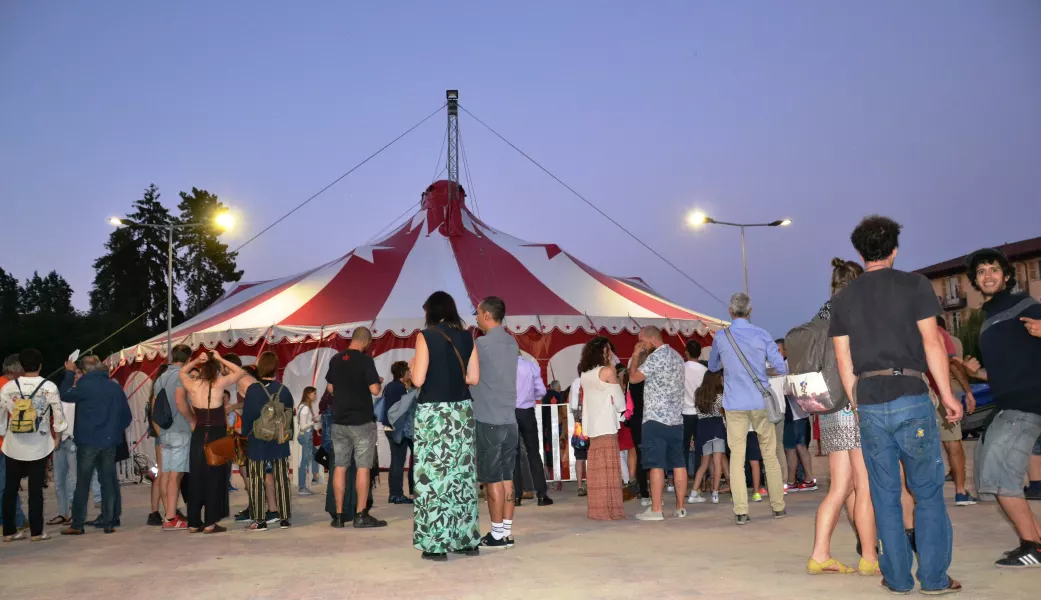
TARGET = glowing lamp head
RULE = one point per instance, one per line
(697, 218)
(225, 221)
(113, 221)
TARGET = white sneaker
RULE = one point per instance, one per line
(670, 488)
(680, 513)
(645, 501)
(696, 498)
(650, 515)
(715, 497)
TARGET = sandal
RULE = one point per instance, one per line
(216, 529)
(828, 567)
(953, 587)
(59, 520)
(868, 568)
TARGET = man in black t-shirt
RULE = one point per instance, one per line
(883, 326)
(353, 381)
(1009, 342)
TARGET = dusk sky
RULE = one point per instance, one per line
(818, 111)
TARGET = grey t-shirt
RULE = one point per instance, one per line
(171, 382)
(495, 396)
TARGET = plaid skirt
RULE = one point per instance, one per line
(604, 480)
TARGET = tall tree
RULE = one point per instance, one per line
(206, 264)
(10, 292)
(132, 277)
(50, 295)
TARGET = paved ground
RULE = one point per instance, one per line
(559, 554)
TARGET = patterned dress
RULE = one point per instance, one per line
(839, 431)
(445, 515)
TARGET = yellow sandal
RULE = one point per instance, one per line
(868, 568)
(828, 567)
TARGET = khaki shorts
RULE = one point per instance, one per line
(949, 432)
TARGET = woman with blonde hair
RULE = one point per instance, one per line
(840, 441)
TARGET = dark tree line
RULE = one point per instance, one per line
(130, 279)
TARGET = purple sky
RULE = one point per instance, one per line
(929, 112)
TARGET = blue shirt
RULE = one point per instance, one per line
(739, 390)
(102, 410)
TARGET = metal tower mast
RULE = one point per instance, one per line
(453, 135)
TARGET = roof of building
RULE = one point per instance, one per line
(1015, 251)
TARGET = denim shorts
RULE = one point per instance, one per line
(714, 446)
(176, 447)
(1002, 459)
(496, 452)
(662, 446)
(357, 441)
(796, 433)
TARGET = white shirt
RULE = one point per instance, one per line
(603, 403)
(693, 375)
(304, 419)
(70, 417)
(572, 399)
(28, 447)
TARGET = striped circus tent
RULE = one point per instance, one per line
(555, 304)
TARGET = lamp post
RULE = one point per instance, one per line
(699, 218)
(224, 221)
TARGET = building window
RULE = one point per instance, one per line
(955, 321)
(1034, 267)
(951, 288)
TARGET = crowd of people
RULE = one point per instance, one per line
(463, 409)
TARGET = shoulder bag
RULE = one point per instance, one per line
(774, 414)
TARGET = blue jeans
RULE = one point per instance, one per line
(306, 441)
(905, 430)
(19, 519)
(88, 460)
(65, 475)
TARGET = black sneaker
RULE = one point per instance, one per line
(545, 501)
(284, 524)
(272, 517)
(242, 515)
(338, 522)
(517, 501)
(1032, 493)
(367, 521)
(475, 551)
(1028, 555)
(154, 519)
(257, 526)
(780, 514)
(509, 541)
(910, 539)
(742, 519)
(489, 541)
(435, 556)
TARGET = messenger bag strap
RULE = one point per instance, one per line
(1007, 314)
(744, 361)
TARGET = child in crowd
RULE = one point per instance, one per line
(711, 433)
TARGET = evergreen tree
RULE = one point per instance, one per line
(205, 265)
(50, 295)
(132, 277)
(10, 293)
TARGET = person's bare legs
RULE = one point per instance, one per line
(340, 487)
(717, 469)
(864, 511)
(756, 475)
(362, 486)
(580, 472)
(1018, 511)
(956, 458)
(245, 479)
(679, 479)
(793, 466)
(495, 493)
(700, 474)
(807, 465)
(630, 459)
(906, 500)
(830, 508)
(269, 491)
(509, 508)
(173, 490)
(657, 488)
(159, 485)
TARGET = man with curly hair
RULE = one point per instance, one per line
(883, 326)
(1009, 342)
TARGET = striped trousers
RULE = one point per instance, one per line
(257, 489)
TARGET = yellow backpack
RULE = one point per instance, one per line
(24, 417)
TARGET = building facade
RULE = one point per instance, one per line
(958, 298)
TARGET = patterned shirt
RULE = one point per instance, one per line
(663, 392)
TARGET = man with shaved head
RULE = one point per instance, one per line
(353, 381)
(662, 444)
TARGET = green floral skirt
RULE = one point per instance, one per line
(445, 511)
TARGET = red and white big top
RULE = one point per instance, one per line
(555, 302)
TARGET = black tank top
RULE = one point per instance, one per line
(445, 381)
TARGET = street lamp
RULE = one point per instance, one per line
(697, 218)
(223, 221)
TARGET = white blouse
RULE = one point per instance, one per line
(603, 403)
